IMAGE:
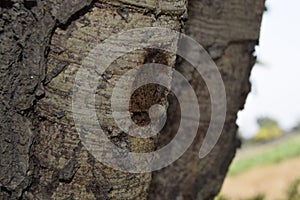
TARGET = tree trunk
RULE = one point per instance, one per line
(43, 44)
(229, 31)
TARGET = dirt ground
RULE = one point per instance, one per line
(271, 180)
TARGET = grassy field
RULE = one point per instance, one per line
(272, 153)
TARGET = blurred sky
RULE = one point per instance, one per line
(275, 82)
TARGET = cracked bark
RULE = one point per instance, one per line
(42, 45)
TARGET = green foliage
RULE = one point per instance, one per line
(264, 134)
(258, 197)
(268, 129)
(266, 122)
(288, 148)
(221, 197)
(294, 191)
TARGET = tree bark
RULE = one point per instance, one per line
(42, 46)
(229, 31)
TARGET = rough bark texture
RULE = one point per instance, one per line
(229, 31)
(42, 44)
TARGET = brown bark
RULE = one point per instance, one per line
(42, 46)
(229, 31)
